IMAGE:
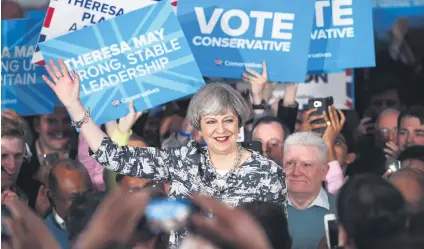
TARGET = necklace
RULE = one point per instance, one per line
(238, 156)
(236, 160)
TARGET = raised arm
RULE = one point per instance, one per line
(141, 162)
(336, 119)
(151, 163)
(113, 130)
(288, 107)
(259, 83)
(67, 89)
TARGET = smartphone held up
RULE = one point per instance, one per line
(321, 105)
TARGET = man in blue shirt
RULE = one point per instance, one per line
(67, 180)
(305, 164)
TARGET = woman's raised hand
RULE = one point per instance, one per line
(66, 88)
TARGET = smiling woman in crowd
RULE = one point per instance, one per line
(223, 169)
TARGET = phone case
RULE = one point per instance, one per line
(321, 104)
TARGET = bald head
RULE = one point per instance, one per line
(67, 180)
(387, 125)
(388, 116)
(68, 170)
(410, 182)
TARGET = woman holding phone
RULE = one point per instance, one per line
(223, 169)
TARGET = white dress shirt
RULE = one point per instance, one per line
(61, 222)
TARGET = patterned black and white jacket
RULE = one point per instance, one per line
(187, 171)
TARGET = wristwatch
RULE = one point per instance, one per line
(261, 106)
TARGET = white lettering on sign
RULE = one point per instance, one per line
(341, 16)
(340, 11)
(282, 23)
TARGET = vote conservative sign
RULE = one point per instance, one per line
(342, 36)
(22, 88)
(141, 56)
(228, 36)
(65, 16)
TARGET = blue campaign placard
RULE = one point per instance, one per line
(141, 56)
(22, 87)
(228, 36)
(36, 14)
(342, 36)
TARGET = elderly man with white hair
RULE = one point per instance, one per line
(305, 164)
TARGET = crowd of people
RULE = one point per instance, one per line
(92, 189)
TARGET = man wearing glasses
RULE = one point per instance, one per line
(386, 136)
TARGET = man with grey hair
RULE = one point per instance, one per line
(305, 163)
